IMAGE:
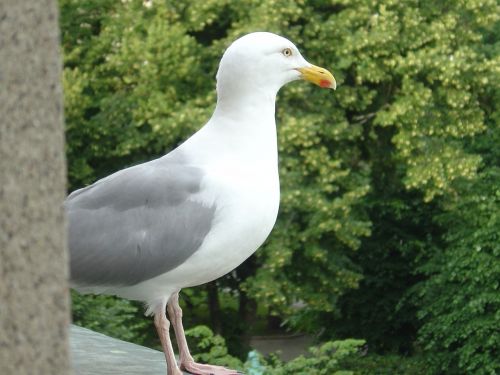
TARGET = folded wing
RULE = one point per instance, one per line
(136, 224)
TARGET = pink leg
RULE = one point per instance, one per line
(186, 360)
(162, 326)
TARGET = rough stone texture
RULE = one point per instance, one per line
(34, 301)
(95, 354)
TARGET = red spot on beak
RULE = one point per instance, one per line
(325, 83)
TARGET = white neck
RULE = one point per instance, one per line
(242, 128)
(247, 115)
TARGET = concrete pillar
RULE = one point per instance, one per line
(34, 301)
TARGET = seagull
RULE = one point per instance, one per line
(195, 214)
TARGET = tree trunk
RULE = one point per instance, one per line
(214, 307)
(34, 307)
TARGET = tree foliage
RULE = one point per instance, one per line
(326, 359)
(389, 185)
(460, 300)
(210, 348)
(109, 315)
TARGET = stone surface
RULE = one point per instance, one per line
(95, 354)
(34, 300)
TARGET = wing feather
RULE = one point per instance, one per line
(136, 224)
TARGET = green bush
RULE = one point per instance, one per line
(209, 348)
(327, 359)
(388, 364)
(111, 316)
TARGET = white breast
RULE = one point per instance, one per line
(247, 207)
(241, 179)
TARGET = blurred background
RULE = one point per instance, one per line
(385, 255)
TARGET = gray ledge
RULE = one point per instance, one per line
(93, 353)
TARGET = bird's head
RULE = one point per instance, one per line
(263, 59)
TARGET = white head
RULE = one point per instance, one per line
(264, 61)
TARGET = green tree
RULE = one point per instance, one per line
(460, 301)
(429, 71)
(371, 175)
(110, 315)
(136, 85)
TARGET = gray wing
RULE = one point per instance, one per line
(136, 224)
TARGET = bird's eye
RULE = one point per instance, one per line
(287, 52)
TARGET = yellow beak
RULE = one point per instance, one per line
(318, 76)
